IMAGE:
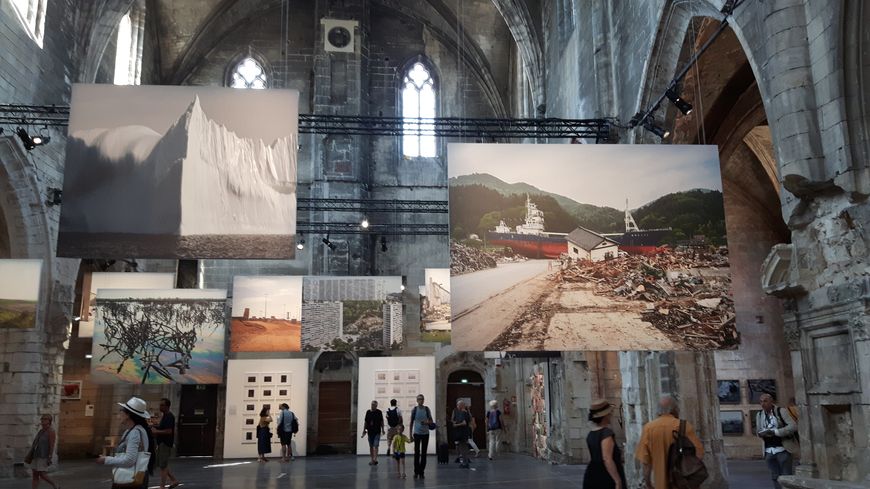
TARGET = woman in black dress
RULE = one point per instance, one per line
(264, 434)
(605, 467)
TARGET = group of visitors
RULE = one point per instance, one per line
(463, 431)
(422, 423)
(671, 452)
(287, 425)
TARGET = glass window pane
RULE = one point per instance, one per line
(122, 52)
(249, 74)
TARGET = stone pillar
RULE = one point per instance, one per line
(691, 377)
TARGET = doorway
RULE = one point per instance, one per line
(197, 421)
(468, 385)
(333, 412)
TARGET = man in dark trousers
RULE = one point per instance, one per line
(164, 438)
(374, 427)
(421, 421)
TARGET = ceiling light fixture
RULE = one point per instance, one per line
(679, 102)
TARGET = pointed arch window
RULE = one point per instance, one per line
(249, 73)
(418, 112)
(31, 13)
(128, 51)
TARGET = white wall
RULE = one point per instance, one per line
(366, 394)
(237, 412)
(598, 254)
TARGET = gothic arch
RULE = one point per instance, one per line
(256, 55)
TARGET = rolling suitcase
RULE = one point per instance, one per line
(443, 453)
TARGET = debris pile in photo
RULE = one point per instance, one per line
(466, 259)
(686, 291)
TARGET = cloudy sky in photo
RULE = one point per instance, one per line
(599, 174)
(268, 296)
(19, 279)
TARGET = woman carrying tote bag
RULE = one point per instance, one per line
(132, 461)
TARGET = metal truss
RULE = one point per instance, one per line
(336, 228)
(597, 129)
(34, 115)
(372, 206)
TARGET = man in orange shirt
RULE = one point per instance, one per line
(656, 439)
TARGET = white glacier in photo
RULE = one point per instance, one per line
(197, 179)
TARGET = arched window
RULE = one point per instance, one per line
(418, 107)
(128, 51)
(31, 13)
(249, 73)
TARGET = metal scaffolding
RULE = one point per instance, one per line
(335, 228)
(597, 129)
(372, 206)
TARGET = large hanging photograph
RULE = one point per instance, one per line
(19, 293)
(352, 313)
(95, 281)
(159, 336)
(205, 173)
(267, 314)
(588, 247)
(435, 304)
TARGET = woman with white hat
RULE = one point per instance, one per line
(605, 466)
(137, 437)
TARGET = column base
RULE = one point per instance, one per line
(798, 482)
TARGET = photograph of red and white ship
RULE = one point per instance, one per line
(546, 253)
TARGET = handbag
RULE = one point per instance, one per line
(135, 475)
(28, 459)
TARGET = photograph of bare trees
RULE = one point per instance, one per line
(159, 337)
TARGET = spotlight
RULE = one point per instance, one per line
(650, 126)
(31, 142)
(300, 245)
(384, 244)
(88, 355)
(679, 102)
(329, 244)
(365, 223)
(77, 318)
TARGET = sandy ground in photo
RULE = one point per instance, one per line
(265, 335)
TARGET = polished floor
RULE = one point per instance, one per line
(346, 471)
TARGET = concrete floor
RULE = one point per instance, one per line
(344, 471)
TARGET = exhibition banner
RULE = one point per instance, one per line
(159, 336)
(588, 247)
(267, 314)
(180, 172)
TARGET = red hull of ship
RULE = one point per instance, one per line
(533, 249)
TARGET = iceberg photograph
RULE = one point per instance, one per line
(180, 173)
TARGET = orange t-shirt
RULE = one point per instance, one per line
(656, 439)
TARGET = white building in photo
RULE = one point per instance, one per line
(584, 244)
(393, 324)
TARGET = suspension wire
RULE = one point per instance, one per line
(700, 130)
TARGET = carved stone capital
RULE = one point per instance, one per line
(780, 276)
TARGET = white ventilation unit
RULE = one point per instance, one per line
(338, 35)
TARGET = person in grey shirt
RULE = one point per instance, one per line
(421, 421)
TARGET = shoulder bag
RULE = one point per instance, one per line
(135, 475)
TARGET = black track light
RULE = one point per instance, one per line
(300, 245)
(31, 142)
(679, 102)
(650, 126)
(329, 244)
(384, 244)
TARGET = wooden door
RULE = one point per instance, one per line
(333, 413)
(197, 421)
(475, 393)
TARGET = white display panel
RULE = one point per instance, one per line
(250, 385)
(400, 378)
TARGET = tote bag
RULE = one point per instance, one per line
(133, 476)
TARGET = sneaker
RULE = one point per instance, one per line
(371, 463)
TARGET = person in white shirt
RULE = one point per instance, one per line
(778, 430)
(137, 437)
(394, 421)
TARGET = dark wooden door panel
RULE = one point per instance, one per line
(333, 413)
(197, 421)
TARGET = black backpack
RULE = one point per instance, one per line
(294, 425)
(393, 417)
(685, 469)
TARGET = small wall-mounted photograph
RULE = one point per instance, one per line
(732, 422)
(757, 387)
(71, 390)
(729, 392)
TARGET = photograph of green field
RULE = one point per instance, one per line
(17, 313)
(19, 293)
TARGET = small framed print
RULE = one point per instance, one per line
(282, 392)
(251, 379)
(397, 390)
(249, 436)
(267, 393)
(250, 393)
(71, 390)
(250, 408)
(729, 391)
(249, 422)
(267, 379)
(285, 379)
(413, 376)
(381, 377)
(381, 390)
(397, 376)
(732, 422)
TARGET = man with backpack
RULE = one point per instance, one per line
(778, 430)
(288, 425)
(670, 451)
(421, 423)
(394, 420)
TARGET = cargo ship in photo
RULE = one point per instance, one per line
(529, 239)
(638, 241)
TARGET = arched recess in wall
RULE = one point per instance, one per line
(331, 402)
(259, 58)
(467, 384)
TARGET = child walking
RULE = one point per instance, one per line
(399, 450)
